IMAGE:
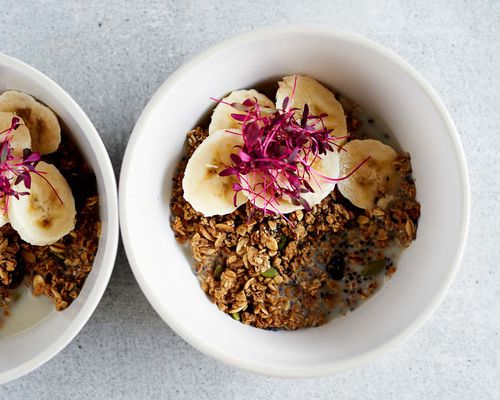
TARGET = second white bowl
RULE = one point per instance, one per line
(27, 350)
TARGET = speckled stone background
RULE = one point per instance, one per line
(112, 55)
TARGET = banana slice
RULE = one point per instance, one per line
(207, 191)
(41, 218)
(221, 117)
(40, 120)
(256, 191)
(4, 219)
(21, 138)
(317, 97)
(325, 169)
(376, 181)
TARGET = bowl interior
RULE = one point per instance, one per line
(27, 350)
(377, 80)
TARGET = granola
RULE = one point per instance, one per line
(272, 273)
(58, 270)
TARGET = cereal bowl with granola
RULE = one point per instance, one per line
(296, 177)
(58, 219)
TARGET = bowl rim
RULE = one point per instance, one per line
(111, 228)
(324, 369)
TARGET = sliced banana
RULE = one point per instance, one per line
(207, 191)
(21, 138)
(42, 217)
(376, 181)
(325, 169)
(319, 100)
(256, 190)
(4, 219)
(41, 121)
(221, 117)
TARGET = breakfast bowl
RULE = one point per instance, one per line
(381, 83)
(32, 331)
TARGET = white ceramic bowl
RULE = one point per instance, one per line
(378, 80)
(22, 353)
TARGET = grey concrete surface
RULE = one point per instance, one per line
(112, 55)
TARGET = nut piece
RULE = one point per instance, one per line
(38, 285)
(272, 244)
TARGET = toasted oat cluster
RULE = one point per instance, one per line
(59, 270)
(276, 274)
(9, 249)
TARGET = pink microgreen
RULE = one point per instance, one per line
(280, 150)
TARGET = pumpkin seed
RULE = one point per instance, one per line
(282, 242)
(269, 273)
(218, 271)
(373, 268)
(236, 316)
